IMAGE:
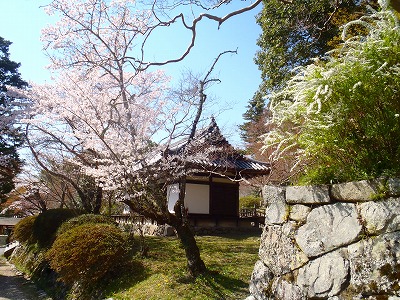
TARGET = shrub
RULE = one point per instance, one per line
(47, 224)
(86, 253)
(23, 230)
(250, 201)
(339, 118)
(85, 219)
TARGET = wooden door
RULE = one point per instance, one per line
(224, 199)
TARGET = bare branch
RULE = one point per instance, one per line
(192, 28)
(44, 167)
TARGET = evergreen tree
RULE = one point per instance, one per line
(293, 34)
(10, 134)
(253, 114)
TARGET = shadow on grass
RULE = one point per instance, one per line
(124, 277)
(246, 235)
(254, 233)
(226, 256)
(216, 285)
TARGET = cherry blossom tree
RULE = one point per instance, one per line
(85, 121)
(111, 117)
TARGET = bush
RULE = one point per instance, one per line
(47, 224)
(250, 201)
(85, 219)
(339, 118)
(23, 231)
(86, 253)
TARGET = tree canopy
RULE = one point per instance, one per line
(10, 134)
(293, 34)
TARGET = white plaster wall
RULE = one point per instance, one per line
(172, 196)
(197, 198)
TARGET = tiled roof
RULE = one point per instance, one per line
(210, 151)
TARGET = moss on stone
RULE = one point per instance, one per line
(392, 273)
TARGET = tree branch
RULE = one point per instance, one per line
(203, 96)
(192, 28)
(44, 167)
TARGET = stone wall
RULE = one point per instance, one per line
(334, 242)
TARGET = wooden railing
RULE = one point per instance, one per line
(251, 212)
(129, 219)
(256, 215)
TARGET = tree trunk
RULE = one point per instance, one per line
(179, 221)
(98, 200)
(195, 264)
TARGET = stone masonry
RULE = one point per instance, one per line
(333, 242)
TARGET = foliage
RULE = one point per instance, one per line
(230, 259)
(10, 134)
(84, 219)
(79, 192)
(293, 34)
(250, 201)
(47, 223)
(340, 117)
(23, 230)
(86, 253)
(41, 189)
(253, 115)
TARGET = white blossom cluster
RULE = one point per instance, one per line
(103, 112)
(308, 104)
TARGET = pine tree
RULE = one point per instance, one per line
(253, 115)
(10, 135)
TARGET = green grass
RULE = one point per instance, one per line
(163, 274)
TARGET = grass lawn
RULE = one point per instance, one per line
(163, 275)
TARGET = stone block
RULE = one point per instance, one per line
(273, 194)
(393, 185)
(284, 290)
(327, 228)
(299, 212)
(381, 216)
(307, 194)
(277, 250)
(357, 191)
(276, 213)
(375, 265)
(260, 281)
(324, 276)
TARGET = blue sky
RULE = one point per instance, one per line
(22, 21)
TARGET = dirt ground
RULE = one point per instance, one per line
(13, 285)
